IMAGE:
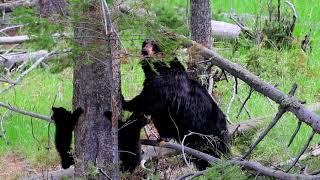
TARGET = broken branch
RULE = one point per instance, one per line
(259, 168)
(31, 114)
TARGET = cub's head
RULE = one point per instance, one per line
(60, 114)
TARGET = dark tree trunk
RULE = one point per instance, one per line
(92, 91)
(200, 25)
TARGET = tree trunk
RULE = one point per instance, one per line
(200, 25)
(92, 91)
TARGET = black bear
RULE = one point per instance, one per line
(179, 105)
(129, 140)
(65, 122)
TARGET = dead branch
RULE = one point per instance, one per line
(281, 111)
(58, 174)
(192, 175)
(234, 94)
(302, 151)
(265, 132)
(255, 166)
(31, 114)
(10, 28)
(244, 107)
(10, 59)
(13, 39)
(9, 6)
(22, 75)
(295, 133)
(293, 105)
(244, 29)
(244, 103)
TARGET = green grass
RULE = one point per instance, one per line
(283, 67)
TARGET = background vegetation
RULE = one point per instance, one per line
(282, 66)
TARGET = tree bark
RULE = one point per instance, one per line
(92, 91)
(200, 25)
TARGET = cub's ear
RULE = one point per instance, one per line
(79, 110)
(108, 114)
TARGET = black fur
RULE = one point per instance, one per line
(65, 122)
(178, 105)
(129, 140)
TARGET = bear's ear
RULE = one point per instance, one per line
(54, 109)
(79, 110)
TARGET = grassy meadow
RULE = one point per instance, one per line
(29, 138)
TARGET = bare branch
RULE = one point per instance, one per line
(192, 175)
(245, 101)
(244, 107)
(8, 6)
(302, 151)
(10, 27)
(31, 114)
(246, 164)
(234, 93)
(281, 111)
(295, 133)
(14, 39)
(265, 132)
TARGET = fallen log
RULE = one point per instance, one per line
(224, 30)
(9, 6)
(13, 39)
(8, 60)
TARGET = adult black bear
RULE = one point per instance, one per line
(179, 105)
(65, 122)
(129, 140)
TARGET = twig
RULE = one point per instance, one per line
(33, 136)
(245, 107)
(10, 27)
(22, 75)
(315, 172)
(265, 132)
(3, 131)
(242, 27)
(183, 154)
(279, 114)
(210, 85)
(246, 164)
(7, 81)
(231, 101)
(192, 175)
(245, 101)
(302, 151)
(295, 133)
(31, 114)
(236, 85)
